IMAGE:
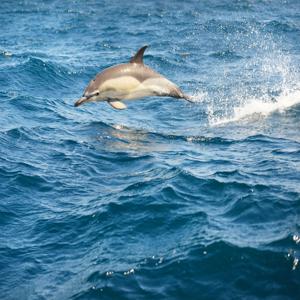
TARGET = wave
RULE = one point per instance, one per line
(267, 80)
(41, 77)
(256, 106)
(222, 264)
(284, 26)
(226, 54)
(155, 135)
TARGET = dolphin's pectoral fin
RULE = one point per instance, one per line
(117, 104)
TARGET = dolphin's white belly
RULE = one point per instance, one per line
(129, 88)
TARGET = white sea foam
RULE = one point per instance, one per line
(198, 97)
(254, 106)
(269, 80)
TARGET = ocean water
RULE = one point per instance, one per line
(167, 199)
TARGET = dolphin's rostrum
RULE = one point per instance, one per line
(129, 81)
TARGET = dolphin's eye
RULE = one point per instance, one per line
(97, 94)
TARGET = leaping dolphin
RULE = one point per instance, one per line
(129, 81)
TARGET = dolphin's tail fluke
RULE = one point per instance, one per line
(187, 97)
(180, 94)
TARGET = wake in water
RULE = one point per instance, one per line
(268, 80)
(259, 106)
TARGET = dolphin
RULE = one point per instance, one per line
(129, 81)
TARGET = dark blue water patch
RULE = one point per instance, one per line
(281, 26)
(226, 55)
(6, 215)
(230, 258)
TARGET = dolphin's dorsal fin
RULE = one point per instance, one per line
(138, 58)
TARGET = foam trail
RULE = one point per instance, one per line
(267, 82)
(198, 97)
(257, 106)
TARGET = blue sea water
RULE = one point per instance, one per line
(167, 199)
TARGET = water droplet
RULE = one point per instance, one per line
(296, 238)
(295, 263)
